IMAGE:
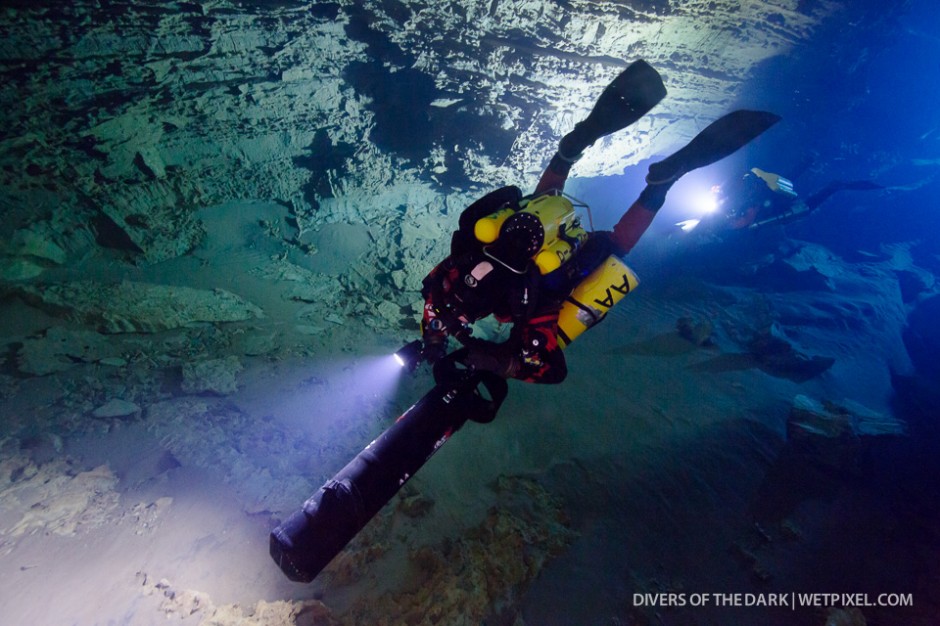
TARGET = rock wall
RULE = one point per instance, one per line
(121, 118)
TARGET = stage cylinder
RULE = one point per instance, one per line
(309, 539)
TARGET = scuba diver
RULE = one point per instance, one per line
(527, 260)
(762, 198)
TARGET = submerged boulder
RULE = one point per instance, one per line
(117, 408)
(698, 332)
(834, 436)
(58, 349)
(132, 307)
(215, 376)
(779, 358)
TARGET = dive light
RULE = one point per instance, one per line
(410, 355)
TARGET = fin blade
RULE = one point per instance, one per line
(719, 139)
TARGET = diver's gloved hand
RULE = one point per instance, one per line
(487, 356)
(435, 346)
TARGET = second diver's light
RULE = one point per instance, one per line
(708, 202)
(687, 225)
(409, 356)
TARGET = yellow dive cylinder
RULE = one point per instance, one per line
(553, 255)
(594, 296)
(775, 182)
(486, 230)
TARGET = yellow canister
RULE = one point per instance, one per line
(552, 211)
(486, 230)
(594, 296)
(552, 256)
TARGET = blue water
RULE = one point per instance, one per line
(860, 101)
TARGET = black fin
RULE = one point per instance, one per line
(626, 99)
(722, 137)
(826, 192)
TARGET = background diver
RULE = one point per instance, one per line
(523, 259)
(762, 198)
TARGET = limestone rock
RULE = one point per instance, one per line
(156, 217)
(51, 498)
(260, 344)
(390, 312)
(37, 242)
(778, 357)
(59, 349)
(216, 376)
(117, 408)
(816, 258)
(158, 112)
(181, 604)
(15, 269)
(699, 333)
(809, 417)
(131, 307)
(834, 436)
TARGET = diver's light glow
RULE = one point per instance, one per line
(695, 198)
(378, 376)
(356, 388)
(399, 360)
(708, 202)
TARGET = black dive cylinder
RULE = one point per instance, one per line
(309, 539)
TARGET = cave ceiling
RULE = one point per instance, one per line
(130, 115)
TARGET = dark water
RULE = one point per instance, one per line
(859, 102)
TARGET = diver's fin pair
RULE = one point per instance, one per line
(630, 96)
(722, 137)
(854, 185)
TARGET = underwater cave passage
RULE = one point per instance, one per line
(400, 103)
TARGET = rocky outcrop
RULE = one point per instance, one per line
(127, 117)
(131, 307)
(777, 356)
(834, 436)
(181, 604)
(53, 497)
(58, 349)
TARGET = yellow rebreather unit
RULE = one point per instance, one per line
(562, 234)
(590, 301)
